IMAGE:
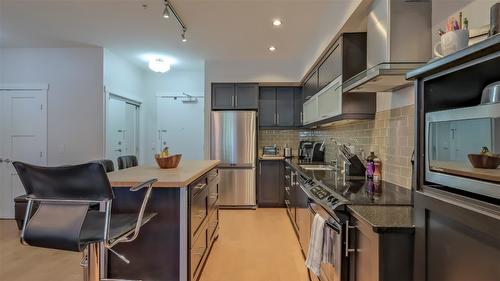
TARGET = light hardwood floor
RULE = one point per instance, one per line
(23, 263)
(256, 245)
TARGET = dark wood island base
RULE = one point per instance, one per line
(176, 243)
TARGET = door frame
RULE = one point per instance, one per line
(129, 99)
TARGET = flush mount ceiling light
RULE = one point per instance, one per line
(277, 22)
(159, 65)
(272, 48)
(166, 14)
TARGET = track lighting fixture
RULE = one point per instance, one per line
(183, 36)
(166, 14)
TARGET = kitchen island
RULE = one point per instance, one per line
(175, 244)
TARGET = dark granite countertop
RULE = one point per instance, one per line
(385, 218)
(384, 205)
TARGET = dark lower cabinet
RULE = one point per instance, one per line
(456, 238)
(204, 220)
(373, 256)
(271, 191)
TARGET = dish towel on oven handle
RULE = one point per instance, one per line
(315, 251)
(328, 245)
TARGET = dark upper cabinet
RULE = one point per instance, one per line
(235, 96)
(331, 67)
(267, 107)
(298, 107)
(310, 85)
(223, 96)
(271, 184)
(246, 96)
(346, 57)
(277, 107)
(284, 107)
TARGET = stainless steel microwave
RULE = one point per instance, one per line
(452, 135)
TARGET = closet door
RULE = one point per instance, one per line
(23, 137)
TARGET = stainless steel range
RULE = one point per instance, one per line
(329, 194)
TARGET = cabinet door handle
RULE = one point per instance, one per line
(260, 168)
(236, 100)
(232, 101)
(347, 249)
(301, 118)
(199, 186)
(277, 118)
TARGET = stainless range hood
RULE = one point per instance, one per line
(398, 40)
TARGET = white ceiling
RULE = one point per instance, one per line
(239, 30)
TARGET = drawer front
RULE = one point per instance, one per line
(213, 196)
(198, 210)
(198, 251)
(213, 223)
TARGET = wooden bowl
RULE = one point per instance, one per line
(484, 161)
(169, 162)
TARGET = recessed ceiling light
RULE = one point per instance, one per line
(277, 22)
(159, 65)
(272, 48)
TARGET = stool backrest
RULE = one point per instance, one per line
(87, 182)
(127, 161)
(107, 164)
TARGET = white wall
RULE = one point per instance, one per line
(127, 80)
(476, 11)
(75, 103)
(175, 82)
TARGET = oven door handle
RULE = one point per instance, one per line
(327, 223)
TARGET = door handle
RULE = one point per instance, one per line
(236, 101)
(1, 160)
(347, 249)
(277, 118)
(7, 160)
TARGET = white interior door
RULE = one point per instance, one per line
(122, 129)
(131, 145)
(180, 126)
(23, 124)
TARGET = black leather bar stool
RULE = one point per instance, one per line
(106, 164)
(20, 202)
(127, 161)
(64, 221)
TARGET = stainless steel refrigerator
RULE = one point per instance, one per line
(233, 141)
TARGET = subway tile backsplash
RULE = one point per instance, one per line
(390, 136)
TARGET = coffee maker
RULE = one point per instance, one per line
(305, 149)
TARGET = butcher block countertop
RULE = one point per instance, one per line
(182, 176)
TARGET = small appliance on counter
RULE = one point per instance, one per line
(287, 151)
(270, 150)
(305, 149)
(318, 152)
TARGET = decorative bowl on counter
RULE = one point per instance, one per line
(483, 161)
(168, 162)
